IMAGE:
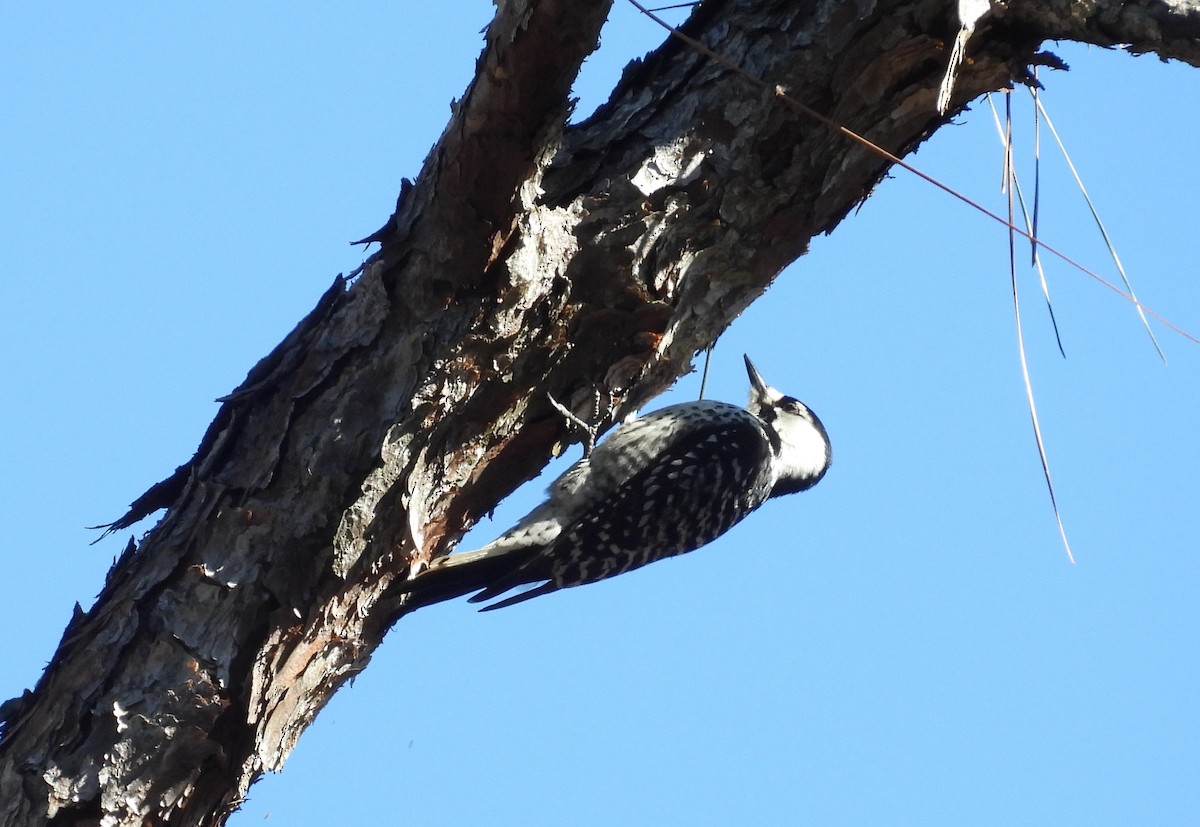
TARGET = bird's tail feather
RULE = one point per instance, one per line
(528, 594)
(460, 574)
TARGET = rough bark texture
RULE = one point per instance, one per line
(526, 259)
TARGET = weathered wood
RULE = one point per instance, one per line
(525, 259)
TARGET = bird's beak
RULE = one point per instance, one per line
(759, 384)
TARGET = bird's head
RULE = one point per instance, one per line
(797, 435)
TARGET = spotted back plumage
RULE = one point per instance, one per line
(661, 485)
(715, 471)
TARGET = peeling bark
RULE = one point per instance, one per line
(527, 259)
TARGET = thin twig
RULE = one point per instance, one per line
(589, 429)
(704, 375)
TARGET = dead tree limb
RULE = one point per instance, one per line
(526, 258)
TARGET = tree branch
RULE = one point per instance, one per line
(527, 258)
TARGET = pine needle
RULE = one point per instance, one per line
(1037, 175)
(1030, 224)
(1100, 224)
(1012, 268)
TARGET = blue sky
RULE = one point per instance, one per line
(906, 643)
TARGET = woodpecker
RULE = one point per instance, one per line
(661, 485)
